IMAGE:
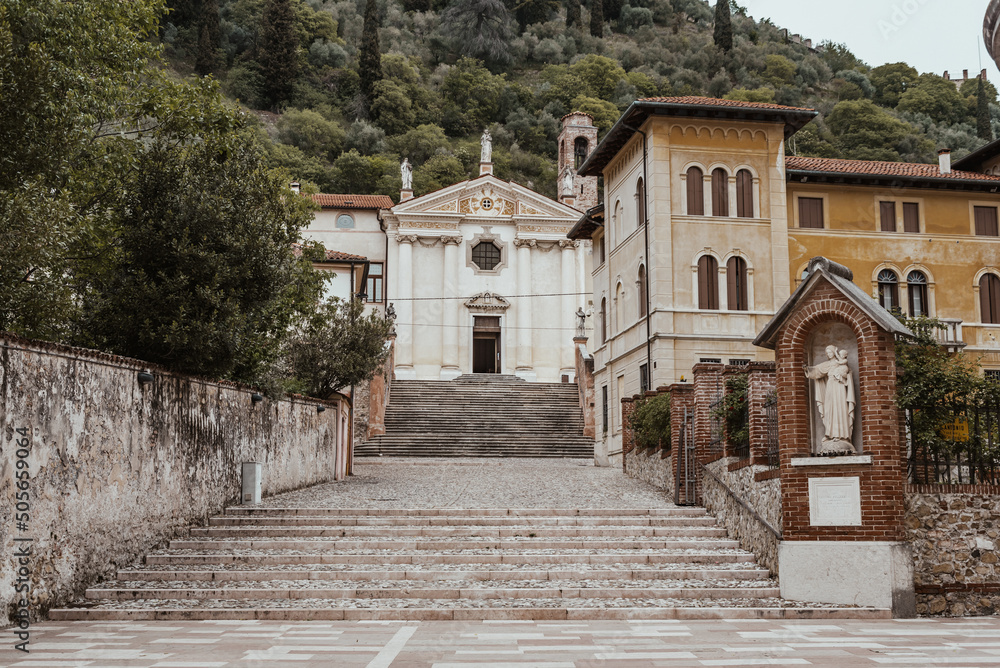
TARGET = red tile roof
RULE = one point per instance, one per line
(715, 102)
(335, 256)
(903, 170)
(353, 201)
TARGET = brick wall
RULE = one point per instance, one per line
(882, 481)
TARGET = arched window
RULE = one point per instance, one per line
(619, 308)
(916, 293)
(696, 192)
(736, 284)
(989, 298)
(618, 224)
(720, 192)
(640, 203)
(579, 151)
(708, 283)
(888, 289)
(744, 194)
(604, 320)
(641, 282)
(345, 221)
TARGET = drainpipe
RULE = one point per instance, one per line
(649, 259)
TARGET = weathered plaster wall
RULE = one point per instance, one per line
(649, 465)
(762, 497)
(116, 468)
(955, 538)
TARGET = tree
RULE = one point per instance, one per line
(206, 283)
(208, 38)
(650, 421)
(605, 113)
(597, 18)
(891, 81)
(439, 172)
(599, 74)
(339, 346)
(278, 52)
(391, 108)
(370, 55)
(864, 131)
(723, 34)
(471, 95)
(480, 29)
(420, 143)
(528, 12)
(311, 133)
(365, 175)
(984, 128)
(935, 96)
(778, 70)
(572, 13)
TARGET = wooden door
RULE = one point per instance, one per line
(485, 353)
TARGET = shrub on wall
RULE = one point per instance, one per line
(651, 421)
(734, 411)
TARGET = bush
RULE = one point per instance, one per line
(650, 421)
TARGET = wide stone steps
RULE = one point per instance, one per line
(448, 564)
(481, 416)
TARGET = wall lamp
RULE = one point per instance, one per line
(320, 408)
(145, 378)
(256, 398)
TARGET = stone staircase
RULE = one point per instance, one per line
(449, 564)
(481, 415)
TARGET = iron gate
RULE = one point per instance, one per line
(686, 481)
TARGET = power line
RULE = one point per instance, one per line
(440, 299)
(534, 329)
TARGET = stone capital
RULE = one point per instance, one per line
(568, 244)
(525, 243)
(406, 238)
(451, 241)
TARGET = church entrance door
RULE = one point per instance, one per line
(486, 344)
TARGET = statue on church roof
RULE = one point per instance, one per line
(487, 142)
(406, 171)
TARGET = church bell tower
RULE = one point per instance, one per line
(577, 141)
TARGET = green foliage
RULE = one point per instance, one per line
(734, 410)
(572, 13)
(365, 175)
(778, 70)
(370, 55)
(420, 143)
(480, 29)
(650, 421)
(865, 131)
(204, 284)
(311, 133)
(983, 127)
(723, 34)
(365, 138)
(599, 74)
(439, 172)
(891, 81)
(597, 18)
(936, 97)
(278, 55)
(208, 38)
(471, 97)
(756, 95)
(605, 113)
(337, 347)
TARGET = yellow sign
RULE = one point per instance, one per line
(957, 431)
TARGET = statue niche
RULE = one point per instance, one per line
(833, 390)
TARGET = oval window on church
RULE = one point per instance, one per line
(486, 255)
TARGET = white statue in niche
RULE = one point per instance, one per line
(834, 386)
(567, 182)
(487, 142)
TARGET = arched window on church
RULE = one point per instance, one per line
(916, 293)
(720, 192)
(888, 289)
(708, 283)
(744, 194)
(604, 320)
(640, 202)
(641, 283)
(989, 298)
(736, 284)
(619, 308)
(695, 192)
(579, 151)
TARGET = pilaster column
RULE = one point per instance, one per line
(450, 305)
(567, 318)
(524, 357)
(404, 308)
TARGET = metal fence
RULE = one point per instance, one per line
(956, 444)
(771, 430)
(739, 437)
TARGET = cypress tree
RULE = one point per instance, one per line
(278, 55)
(597, 18)
(983, 126)
(572, 13)
(370, 56)
(723, 26)
(208, 38)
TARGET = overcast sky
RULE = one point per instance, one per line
(931, 35)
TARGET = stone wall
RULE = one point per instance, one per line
(117, 467)
(746, 507)
(652, 465)
(955, 538)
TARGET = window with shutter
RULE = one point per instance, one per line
(989, 298)
(640, 203)
(641, 281)
(604, 320)
(986, 221)
(744, 194)
(888, 289)
(720, 192)
(911, 217)
(916, 293)
(887, 214)
(708, 283)
(811, 212)
(736, 284)
(695, 192)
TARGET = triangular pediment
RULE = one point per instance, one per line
(487, 197)
(487, 301)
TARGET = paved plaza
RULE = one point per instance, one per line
(392, 485)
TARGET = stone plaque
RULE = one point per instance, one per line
(835, 502)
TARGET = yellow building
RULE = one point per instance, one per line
(707, 227)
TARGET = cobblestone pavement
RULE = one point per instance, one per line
(954, 642)
(477, 483)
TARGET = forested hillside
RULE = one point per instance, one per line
(343, 106)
